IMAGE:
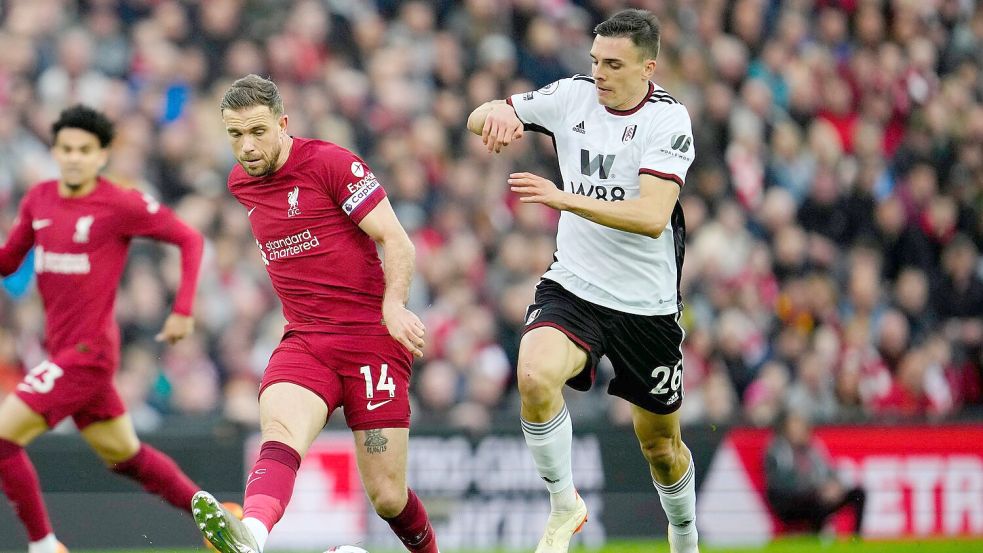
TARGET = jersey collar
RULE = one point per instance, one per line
(623, 112)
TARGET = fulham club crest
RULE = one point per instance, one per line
(629, 133)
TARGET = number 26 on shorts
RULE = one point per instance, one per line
(41, 379)
(385, 383)
(664, 375)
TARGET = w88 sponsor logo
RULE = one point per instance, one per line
(600, 192)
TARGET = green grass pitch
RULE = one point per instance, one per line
(792, 545)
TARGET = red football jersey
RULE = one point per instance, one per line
(81, 246)
(305, 216)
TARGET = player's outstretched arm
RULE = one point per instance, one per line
(398, 259)
(647, 215)
(146, 217)
(496, 123)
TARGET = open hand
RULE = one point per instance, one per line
(535, 189)
(175, 328)
(405, 327)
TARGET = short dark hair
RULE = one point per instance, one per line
(641, 26)
(87, 119)
(253, 90)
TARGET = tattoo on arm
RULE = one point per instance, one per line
(375, 442)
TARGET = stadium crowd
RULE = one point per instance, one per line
(833, 211)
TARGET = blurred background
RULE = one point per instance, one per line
(833, 210)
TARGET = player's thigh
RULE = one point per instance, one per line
(562, 341)
(375, 371)
(381, 456)
(548, 356)
(646, 354)
(113, 440)
(297, 394)
(291, 414)
(18, 422)
(53, 390)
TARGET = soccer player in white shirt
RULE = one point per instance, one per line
(624, 146)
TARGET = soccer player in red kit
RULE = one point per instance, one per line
(80, 227)
(317, 212)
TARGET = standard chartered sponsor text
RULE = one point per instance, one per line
(291, 245)
(61, 263)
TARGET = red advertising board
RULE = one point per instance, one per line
(920, 481)
(328, 506)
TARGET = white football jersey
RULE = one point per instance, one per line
(602, 152)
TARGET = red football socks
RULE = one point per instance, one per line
(19, 481)
(412, 526)
(159, 475)
(271, 483)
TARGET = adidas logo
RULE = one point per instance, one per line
(579, 127)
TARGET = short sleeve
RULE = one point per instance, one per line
(670, 150)
(352, 185)
(542, 110)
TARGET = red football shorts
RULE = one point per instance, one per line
(368, 376)
(72, 384)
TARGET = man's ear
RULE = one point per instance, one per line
(649, 70)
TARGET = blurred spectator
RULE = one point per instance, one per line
(802, 487)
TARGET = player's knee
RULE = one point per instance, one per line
(277, 431)
(536, 383)
(114, 453)
(662, 452)
(388, 501)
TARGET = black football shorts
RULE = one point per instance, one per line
(645, 350)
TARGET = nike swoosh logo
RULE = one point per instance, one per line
(39, 224)
(250, 212)
(251, 480)
(373, 406)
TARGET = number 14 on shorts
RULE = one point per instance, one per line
(384, 384)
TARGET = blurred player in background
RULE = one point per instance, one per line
(802, 485)
(81, 226)
(318, 212)
(624, 146)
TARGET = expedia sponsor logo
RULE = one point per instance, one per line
(359, 191)
(61, 263)
(290, 245)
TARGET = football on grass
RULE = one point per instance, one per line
(346, 549)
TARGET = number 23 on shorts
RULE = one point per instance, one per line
(41, 379)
